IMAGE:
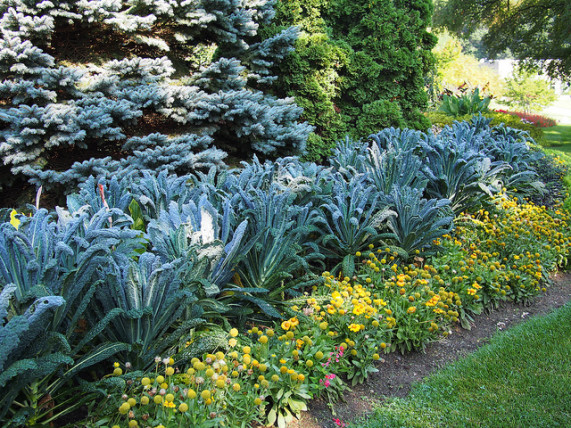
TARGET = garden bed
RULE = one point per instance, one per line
(398, 372)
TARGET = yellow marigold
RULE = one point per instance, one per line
(355, 327)
(411, 310)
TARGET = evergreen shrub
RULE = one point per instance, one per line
(91, 88)
(358, 67)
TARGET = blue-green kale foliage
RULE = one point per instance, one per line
(136, 261)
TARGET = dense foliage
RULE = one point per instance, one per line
(358, 66)
(96, 87)
(145, 266)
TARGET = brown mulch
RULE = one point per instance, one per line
(398, 372)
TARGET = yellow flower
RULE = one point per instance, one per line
(286, 325)
(234, 332)
(411, 310)
(232, 342)
(169, 404)
(183, 407)
(354, 327)
(115, 364)
(16, 221)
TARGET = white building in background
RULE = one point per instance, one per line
(505, 69)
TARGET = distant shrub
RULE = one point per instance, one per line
(534, 119)
(460, 105)
(440, 119)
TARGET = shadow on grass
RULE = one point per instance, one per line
(559, 137)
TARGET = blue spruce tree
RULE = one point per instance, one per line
(95, 87)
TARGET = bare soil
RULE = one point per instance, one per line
(398, 372)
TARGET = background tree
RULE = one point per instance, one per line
(96, 87)
(534, 31)
(529, 93)
(455, 68)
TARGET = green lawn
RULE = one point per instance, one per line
(559, 138)
(521, 379)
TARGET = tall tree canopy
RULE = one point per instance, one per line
(535, 31)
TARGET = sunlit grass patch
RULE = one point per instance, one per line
(521, 378)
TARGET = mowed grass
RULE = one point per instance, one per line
(559, 138)
(522, 378)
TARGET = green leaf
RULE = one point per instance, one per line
(272, 415)
(100, 353)
(137, 216)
